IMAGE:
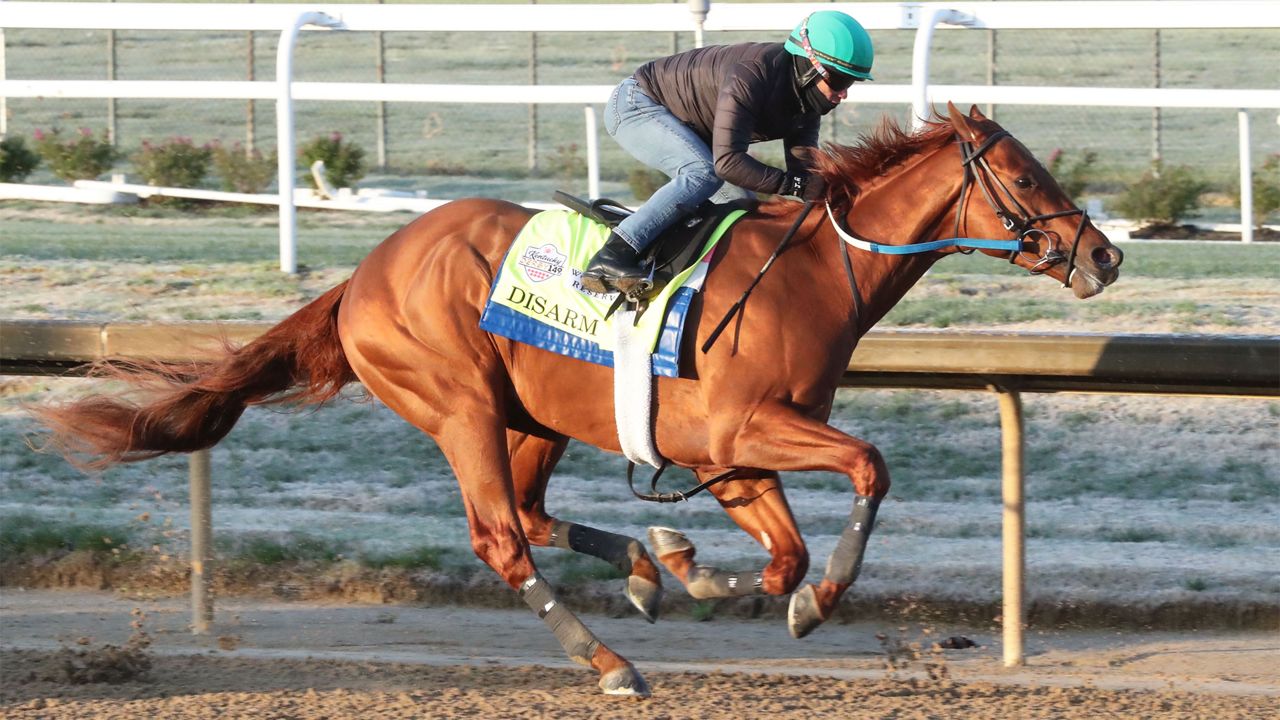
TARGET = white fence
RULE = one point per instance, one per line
(698, 16)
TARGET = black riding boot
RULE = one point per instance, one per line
(616, 267)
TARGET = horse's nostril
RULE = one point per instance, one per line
(1106, 257)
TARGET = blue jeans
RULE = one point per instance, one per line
(658, 139)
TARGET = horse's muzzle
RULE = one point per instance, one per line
(1096, 271)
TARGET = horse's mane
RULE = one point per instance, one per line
(846, 167)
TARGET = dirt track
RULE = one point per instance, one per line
(300, 660)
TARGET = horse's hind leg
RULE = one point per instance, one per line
(754, 500)
(471, 432)
(532, 460)
(476, 446)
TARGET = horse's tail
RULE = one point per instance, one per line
(193, 406)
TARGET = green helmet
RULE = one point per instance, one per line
(832, 40)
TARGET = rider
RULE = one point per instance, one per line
(693, 116)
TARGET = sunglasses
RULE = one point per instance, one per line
(839, 81)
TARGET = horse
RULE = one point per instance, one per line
(753, 405)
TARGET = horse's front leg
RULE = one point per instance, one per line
(778, 436)
(755, 501)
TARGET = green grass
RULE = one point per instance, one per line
(1134, 535)
(570, 569)
(1197, 584)
(1199, 261)
(424, 556)
(324, 242)
(946, 312)
(296, 547)
(703, 611)
(25, 535)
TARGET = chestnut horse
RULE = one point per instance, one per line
(406, 326)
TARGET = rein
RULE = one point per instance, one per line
(737, 306)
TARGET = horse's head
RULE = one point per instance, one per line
(1007, 190)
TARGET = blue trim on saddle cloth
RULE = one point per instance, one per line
(504, 321)
(536, 297)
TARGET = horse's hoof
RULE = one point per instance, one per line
(645, 595)
(666, 541)
(624, 681)
(802, 614)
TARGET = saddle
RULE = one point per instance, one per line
(674, 251)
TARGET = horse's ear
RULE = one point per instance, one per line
(975, 113)
(960, 122)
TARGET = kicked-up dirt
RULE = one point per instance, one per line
(306, 660)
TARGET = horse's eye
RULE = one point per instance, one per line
(1024, 182)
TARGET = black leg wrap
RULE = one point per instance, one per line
(708, 582)
(618, 550)
(846, 559)
(578, 642)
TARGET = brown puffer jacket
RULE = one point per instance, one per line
(732, 96)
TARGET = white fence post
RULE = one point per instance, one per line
(4, 99)
(699, 9)
(1246, 179)
(285, 150)
(593, 154)
(920, 106)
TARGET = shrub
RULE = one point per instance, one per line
(1075, 178)
(645, 182)
(1266, 190)
(16, 160)
(175, 163)
(241, 171)
(343, 160)
(1162, 195)
(83, 157)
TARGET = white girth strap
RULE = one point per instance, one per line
(633, 392)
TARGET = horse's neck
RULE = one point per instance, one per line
(911, 206)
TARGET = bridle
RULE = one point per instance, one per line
(1020, 222)
(978, 172)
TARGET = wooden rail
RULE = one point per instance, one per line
(1125, 364)
(1008, 364)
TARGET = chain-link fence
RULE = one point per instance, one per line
(482, 149)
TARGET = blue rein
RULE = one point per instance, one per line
(1014, 245)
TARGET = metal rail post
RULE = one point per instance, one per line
(699, 9)
(4, 100)
(380, 49)
(1246, 179)
(1013, 525)
(284, 133)
(112, 134)
(921, 109)
(593, 154)
(201, 543)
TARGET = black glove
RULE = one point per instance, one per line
(809, 188)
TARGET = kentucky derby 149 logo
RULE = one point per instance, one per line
(541, 263)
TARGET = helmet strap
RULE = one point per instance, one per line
(808, 49)
(805, 74)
